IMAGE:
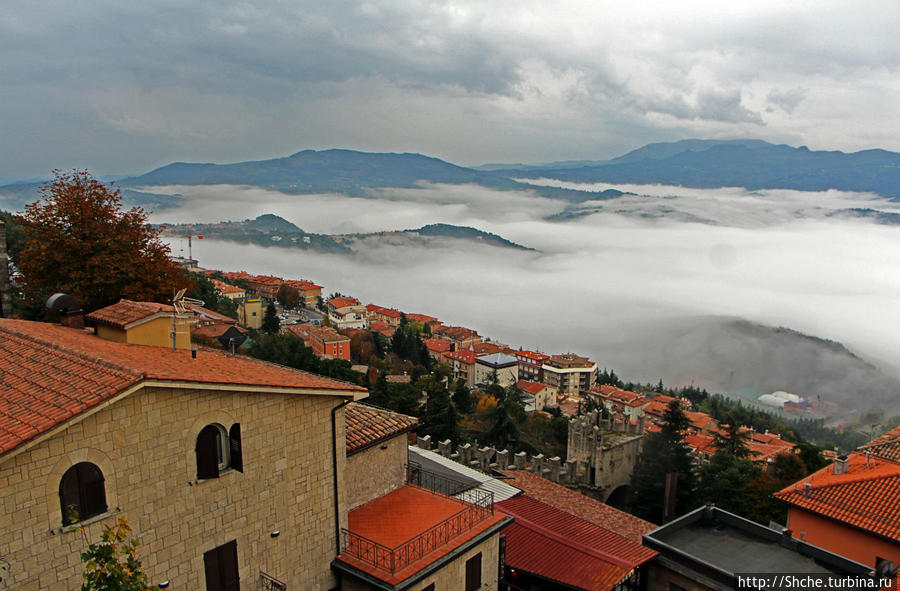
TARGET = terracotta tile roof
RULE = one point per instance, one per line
(126, 312)
(226, 288)
(325, 334)
(867, 496)
(342, 302)
(626, 397)
(420, 318)
(382, 327)
(551, 543)
(486, 348)
(624, 524)
(457, 333)
(533, 355)
(701, 420)
(437, 345)
(569, 361)
(467, 357)
(50, 373)
(368, 425)
(214, 331)
(886, 446)
(404, 514)
(533, 388)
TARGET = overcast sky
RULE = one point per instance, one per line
(124, 87)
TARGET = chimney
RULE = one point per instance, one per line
(787, 540)
(806, 488)
(69, 308)
(840, 465)
(5, 295)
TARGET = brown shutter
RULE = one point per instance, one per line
(68, 496)
(231, 580)
(473, 573)
(93, 490)
(234, 439)
(207, 456)
(213, 570)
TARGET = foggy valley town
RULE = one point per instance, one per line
(459, 296)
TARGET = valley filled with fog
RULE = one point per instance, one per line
(655, 284)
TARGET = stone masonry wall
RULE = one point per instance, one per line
(374, 472)
(144, 444)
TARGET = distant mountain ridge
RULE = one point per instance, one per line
(753, 164)
(272, 230)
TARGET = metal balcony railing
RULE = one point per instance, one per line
(475, 506)
(269, 583)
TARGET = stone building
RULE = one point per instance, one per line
(608, 446)
(230, 471)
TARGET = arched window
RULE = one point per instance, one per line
(217, 450)
(82, 493)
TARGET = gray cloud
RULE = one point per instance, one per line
(124, 87)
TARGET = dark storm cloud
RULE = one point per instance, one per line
(122, 87)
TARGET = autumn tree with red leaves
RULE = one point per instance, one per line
(79, 240)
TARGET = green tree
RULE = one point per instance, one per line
(112, 563)
(441, 418)
(270, 324)
(462, 398)
(204, 290)
(15, 234)
(723, 482)
(663, 453)
(79, 240)
(733, 440)
(288, 297)
(506, 417)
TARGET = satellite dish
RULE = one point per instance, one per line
(231, 339)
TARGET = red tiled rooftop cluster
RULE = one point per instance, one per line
(866, 496)
(437, 345)
(125, 312)
(466, 356)
(626, 397)
(52, 373)
(342, 302)
(389, 312)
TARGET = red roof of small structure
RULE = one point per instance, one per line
(466, 356)
(404, 514)
(551, 543)
(533, 355)
(211, 314)
(50, 374)
(368, 425)
(866, 496)
(624, 524)
(437, 345)
(626, 397)
(343, 302)
(126, 312)
(533, 388)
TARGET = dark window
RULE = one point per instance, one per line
(429, 587)
(473, 573)
(218, 449)
(82, 493)
(234, 442)
(221, 568)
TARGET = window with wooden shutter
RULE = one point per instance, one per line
(208, 445)
(234, 441)
(473, 573)
(82, 493)
(221, 568)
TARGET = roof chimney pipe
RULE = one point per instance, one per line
(840, 465)
(69, 308)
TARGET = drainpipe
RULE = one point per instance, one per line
(334, 469)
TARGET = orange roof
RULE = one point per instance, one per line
(402, 516)
(866, 496)
(437, 345)
(534, 355)
(626, 397)
(421, 318)
(700, 420)
(486, 348)
(886, 446)
(51, 373)
(533, 388)
(466, 356)
(207, 313)
(226, 288)
(624, 524)
(124, 313)
(368, 425)
(342, 302)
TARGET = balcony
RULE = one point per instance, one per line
(396, 535)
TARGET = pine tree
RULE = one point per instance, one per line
(271, 324)
(663, 453)
(462, 398)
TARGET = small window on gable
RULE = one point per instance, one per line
(218, 450)
(82, 493)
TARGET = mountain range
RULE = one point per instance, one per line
(753, 164)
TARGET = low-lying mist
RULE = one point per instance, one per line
(631, 292)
